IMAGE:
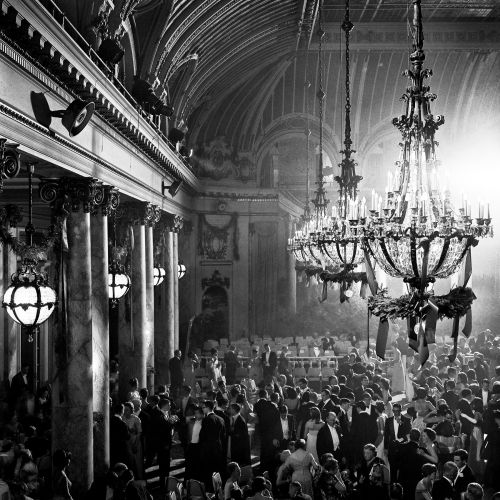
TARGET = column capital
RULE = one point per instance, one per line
(171, 222)
(141, 213)
(69, 194)
(111, 200)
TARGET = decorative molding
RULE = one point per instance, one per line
(216, 280)
(10, 162)
(31, 49)
(240, 196)
(172, 223)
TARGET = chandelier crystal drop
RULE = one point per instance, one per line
(416, 232)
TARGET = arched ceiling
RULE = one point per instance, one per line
(236, 68)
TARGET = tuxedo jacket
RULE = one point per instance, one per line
(463, 479)
(161, 429)
(324, 442)
(212, 436)
(390, 443)
(273, 360)
(292, 430)
(240, 442)
(326, 408)
(176, 374)
(442, 490)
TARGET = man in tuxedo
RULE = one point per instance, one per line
(221, 409)
(396, 432)
(465, 414)
(287, 427)
(176, 374)
(465, 474)
(344, 390)
(193, 461)
(410, 465)
(162, 430)
(119, 434)
(449, 394)
(443, 489)
(239, 440)
(326, 405)
(485, 392)
(269, 362)
(185, 412)
(212, 436)
(329, 437)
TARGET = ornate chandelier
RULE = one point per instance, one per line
(118, 280)
(307, 243)
(342, 242)
(415, 232)
(29, 300)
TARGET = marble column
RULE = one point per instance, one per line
(150, 308)
(135, 334)
(175, 279)
(10, 334)
(291, 273)
(100, 329)
(72, 394)
(164, 313)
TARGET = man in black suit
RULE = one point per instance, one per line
(20, 385)
(396, 432)
(239, 448)
(212, 436)
(288, 430)
(221, 409)
(326, 405)
(269, 361)
(162, 430)
(485, 392)
(443, 489)
(410, 465)
(449, 394)
(364, 429)
(329, 437)
(176, 374)
(119, 435)
(465, 415)
(465, 474)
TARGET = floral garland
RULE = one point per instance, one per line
(329, 276)
(456, 303)
(31, 252)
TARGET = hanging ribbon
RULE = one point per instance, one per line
(468, 315)
(382, 336)
(423, 348)
(411, 322)
(370, 275)
(324, 292)
(431, 317)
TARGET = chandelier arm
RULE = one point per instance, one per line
(387, 256)
(413, 254)
(354, 251)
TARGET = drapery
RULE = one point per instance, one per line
(264, 277)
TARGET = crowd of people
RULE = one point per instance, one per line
(360, 433)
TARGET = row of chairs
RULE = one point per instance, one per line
(195, 490)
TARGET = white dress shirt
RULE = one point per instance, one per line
(485, 397)
(195, 436)
(335, 437)
(284, 428)
(396, 427)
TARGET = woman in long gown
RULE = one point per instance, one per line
(313, 425)
(422, 408)
(189, 368)
(381, 418)
(134, 444)
(398, 372)
(300, 463)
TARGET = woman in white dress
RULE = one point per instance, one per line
(381, 418)
(313, 425)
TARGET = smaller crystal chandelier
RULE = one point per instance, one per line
(342, 242)
(158, 275)
(29, 300)
(118, 279)
(181, 270)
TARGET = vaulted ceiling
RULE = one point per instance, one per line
(236, 68)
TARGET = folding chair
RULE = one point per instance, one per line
(217, 484)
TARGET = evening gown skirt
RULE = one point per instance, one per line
(312, 437)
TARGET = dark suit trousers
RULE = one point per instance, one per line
(193, 465)
(164, 466)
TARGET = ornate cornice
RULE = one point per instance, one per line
(29, 49)
(67, 194)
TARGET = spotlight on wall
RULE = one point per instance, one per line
(143, 93)
(173, 188)
(185, 152)
(74, 118)
(111, 51)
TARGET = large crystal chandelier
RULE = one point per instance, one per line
(341, 242)
(416, 232)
